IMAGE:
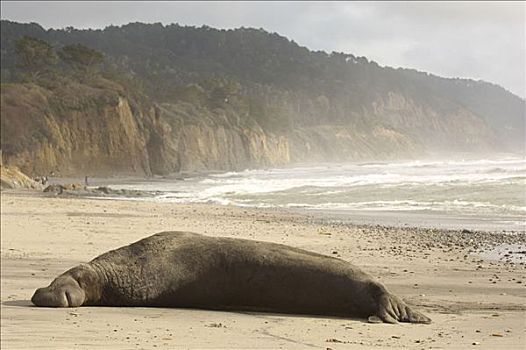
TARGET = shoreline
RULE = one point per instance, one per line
(391, 218)
(440, 272)
(425, 219)
(353, 194)
(496, 247)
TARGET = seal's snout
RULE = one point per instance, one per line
(63, 292)
(46, 297)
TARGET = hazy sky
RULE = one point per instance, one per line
(483, 40)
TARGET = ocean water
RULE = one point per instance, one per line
(478, 189)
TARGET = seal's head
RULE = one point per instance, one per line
(78, 286)
(64, 291)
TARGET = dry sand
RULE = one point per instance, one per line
(473, 303)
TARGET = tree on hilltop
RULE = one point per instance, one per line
(81, 57)
(35, 55)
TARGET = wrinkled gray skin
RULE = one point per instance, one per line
(181, 269)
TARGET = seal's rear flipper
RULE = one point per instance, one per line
(416, 317)
(394, 310)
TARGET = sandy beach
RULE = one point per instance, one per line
(473, 302)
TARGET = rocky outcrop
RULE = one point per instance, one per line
(12, 178)
(58, 188)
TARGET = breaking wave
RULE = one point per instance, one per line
(493, 187)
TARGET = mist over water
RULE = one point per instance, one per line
(479, 188)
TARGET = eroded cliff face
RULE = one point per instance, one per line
(97, 132)
(89, 131)
(198, 139)
(394, 126)
(450, 129)
(333, 143)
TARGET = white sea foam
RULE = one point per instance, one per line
(253, 184)
(408, 205)
(473, 186)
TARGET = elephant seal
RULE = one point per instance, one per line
(182, 269)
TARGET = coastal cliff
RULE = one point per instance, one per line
(93, 131)
(171, 99)
(79, 129)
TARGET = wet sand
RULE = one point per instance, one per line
(474, 303)
(425, 219)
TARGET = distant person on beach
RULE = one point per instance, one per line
(86, 180)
